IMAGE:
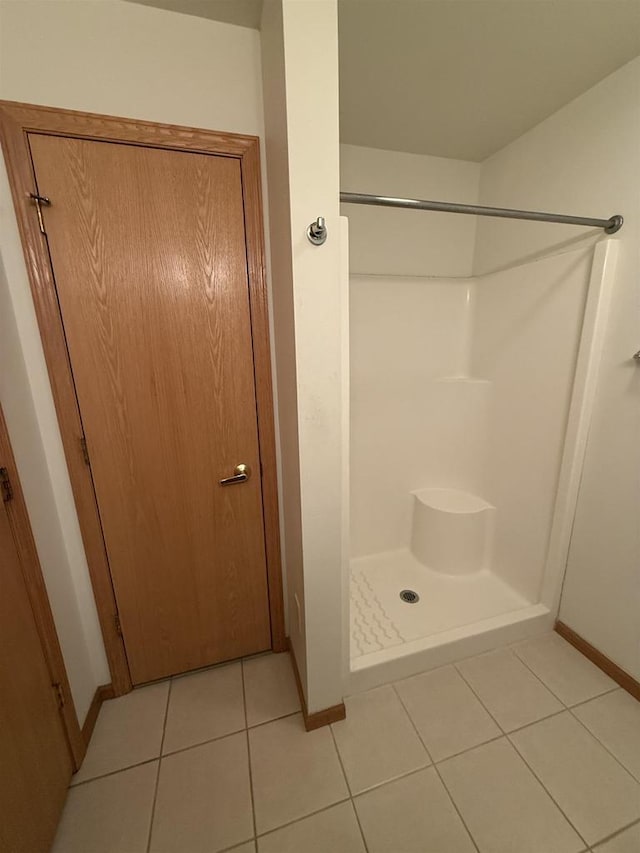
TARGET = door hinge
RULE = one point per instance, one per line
(85, 451)
(118, 624)
(39, 201)
(59, 694)
(5, 485)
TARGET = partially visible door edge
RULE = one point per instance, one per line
(16, 121)
(39, 600)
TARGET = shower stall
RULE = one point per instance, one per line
(469, 406)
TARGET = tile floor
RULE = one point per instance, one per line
(528, 749)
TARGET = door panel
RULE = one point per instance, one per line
(148, 252)
(34, 753)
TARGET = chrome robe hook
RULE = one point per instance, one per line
(317, 232)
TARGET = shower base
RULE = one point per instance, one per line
(456, 616)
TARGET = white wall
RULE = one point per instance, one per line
(586, 159)
(526, 331)
(311, 61)
(414, 421)
(299, 39)
(385, 241)
(407, 332)
(118, 58)
(465, 384)
(277, 161)
(51, 511)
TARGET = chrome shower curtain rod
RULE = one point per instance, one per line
(611, 225)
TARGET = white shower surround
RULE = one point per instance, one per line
(443, 372)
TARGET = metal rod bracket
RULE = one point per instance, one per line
(615, 224)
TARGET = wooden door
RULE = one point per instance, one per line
(149, 257)
(35, 762)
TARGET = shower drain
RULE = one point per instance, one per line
(409, 596)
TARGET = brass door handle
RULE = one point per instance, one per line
(241, 474)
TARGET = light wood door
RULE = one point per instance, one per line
(35, 762)
(148, 251)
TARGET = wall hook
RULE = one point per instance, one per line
(317, 232)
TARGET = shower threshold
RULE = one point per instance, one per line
(455, 616)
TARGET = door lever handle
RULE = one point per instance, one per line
(241, 474)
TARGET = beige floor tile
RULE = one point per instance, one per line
(448, 716)
(270, 688)
(593, 790)
(204, 705)
(615, 720)
(412, 815)
(109, 815)
(377, 741)
(626, 842)
(566, 672)
(503, 805)
(204, 798)
(512, 694)
(128, 732)
(249, 847)
(294, 772)
(334, 830)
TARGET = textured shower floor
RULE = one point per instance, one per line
(380, 620)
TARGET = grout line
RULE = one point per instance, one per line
(304, 817)
(246, 735)
(346, 779)
(275, 719)
(435, 767)
(352, 796)
(593, 698)
(228, 734)
(251, 792)
(344, 773)
(548, 792)
(455, 806)
(534, 673)
(357, 817)
(75, 785)
(202, 742)
(504, 733)
(181, 749)
(508, 732)
(618, 832)
(392, 779)
(461, 674)
(597, 696)
(155, 793)
(415, 728)
(244, 695)
(564, 704)
(535, 722)
(468, 749)
(604, 746)
(544, 684)
(238, 846)
(570, 709)
(513, 745)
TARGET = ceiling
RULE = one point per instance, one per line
(243, 13)
(462, 78)
(459, 78)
